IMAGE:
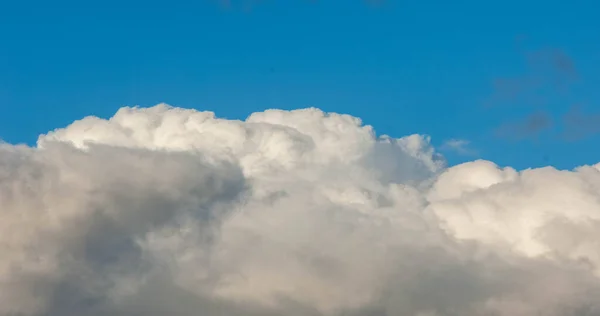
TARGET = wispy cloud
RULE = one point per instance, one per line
(530, 126)
(578, 124)
(459, 146)
(547, 71)
(547, 78)
(555, 60)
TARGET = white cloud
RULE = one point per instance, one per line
(460, 146)
(168, 211)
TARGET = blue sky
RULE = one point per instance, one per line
(437, 67)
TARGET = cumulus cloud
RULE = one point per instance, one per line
(170, 211)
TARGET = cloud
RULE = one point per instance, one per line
(460, 146)
(577, 124)
(169, 211)
(548, 72)
(548, 76)
(531, 126)
(555, 62)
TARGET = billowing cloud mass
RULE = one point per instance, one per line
(168, 211)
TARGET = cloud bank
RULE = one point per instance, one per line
(170, 211)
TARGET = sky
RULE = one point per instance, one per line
(436, 67)
(122, 194)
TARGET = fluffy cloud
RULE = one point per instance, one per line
(168, 211)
